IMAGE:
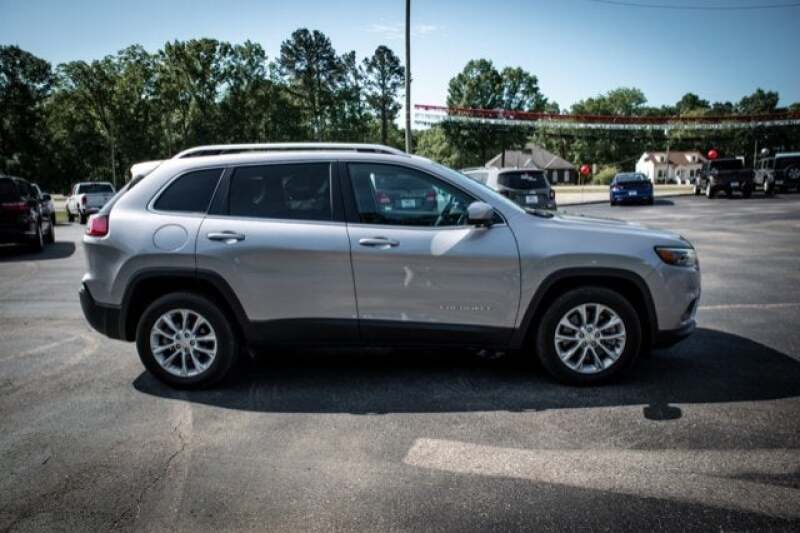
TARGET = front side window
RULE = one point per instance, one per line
(190, 193)
(292, 191)
(399, 196)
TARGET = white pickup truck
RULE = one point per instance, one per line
(88, 198)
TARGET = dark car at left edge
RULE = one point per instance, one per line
(23, 216)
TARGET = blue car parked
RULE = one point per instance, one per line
(631, 187)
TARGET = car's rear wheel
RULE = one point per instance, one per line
(186, 341)
(588, 335)
(37, 244)
(70, 216)
(710, 192)
(83, 218)
(50, 238)
(747, 192)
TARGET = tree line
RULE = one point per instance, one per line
(91, 120)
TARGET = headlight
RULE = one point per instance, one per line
(682, 257)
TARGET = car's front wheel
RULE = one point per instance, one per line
(588, 335)
(186, 341)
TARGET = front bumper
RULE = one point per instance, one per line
(103, 318)
(670, 337)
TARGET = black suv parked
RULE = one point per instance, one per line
(23, 217)
(726, 175)
(780, 173)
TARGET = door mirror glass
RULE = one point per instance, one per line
(480, 214)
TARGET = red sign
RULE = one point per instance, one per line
(713, 154)
(585, 170)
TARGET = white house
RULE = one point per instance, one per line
(683, 166)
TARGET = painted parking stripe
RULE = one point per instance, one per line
(748, 306)
(708, 477)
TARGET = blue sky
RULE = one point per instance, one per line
(577, 48)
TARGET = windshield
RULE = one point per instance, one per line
(496, 197)
(90, 188)
(630, 178)
(727, 164)
(522, 180)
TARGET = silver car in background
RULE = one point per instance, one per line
(526, 187)
(253, 246)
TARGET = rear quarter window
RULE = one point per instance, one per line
(190, 193)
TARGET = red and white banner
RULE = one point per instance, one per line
(429, 115)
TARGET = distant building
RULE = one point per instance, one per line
(556, 169)
(683, 166)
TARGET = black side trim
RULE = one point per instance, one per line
(103, 318)
(400, 333)
(669, 337)
(577, 273)
(301, 331)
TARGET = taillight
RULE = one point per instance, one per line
(15, 207)
(97, 226)
(552, 194)
(83, 200)
(383, 198)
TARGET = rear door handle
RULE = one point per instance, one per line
(226, 236)
(379, 242)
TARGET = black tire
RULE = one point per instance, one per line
(70, 216)
(697, 190)
(227, 342)
(710, 192)
(769, 189)
(651, 201)
(83, 218)
(545, 338)
(50, 238)
(747, 192)
(37, 244)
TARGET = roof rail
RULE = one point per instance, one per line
(219, 149)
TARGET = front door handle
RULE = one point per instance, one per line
(379, 242)
(226, 236)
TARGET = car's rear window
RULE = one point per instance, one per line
(8, 191)
(91, 188)
(727, 164)
(523, 180)
(630, 178)
(190, 193)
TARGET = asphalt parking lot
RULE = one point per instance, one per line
(705, 435)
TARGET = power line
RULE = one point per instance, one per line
(751, 7)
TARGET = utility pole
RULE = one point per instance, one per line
(408, 76)
(666, 178)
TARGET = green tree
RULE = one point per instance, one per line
(25, 81)
(312, 69)
(384, 79)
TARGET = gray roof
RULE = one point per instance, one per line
(532, 156)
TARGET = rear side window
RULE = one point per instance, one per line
(92, 188)
(295, 192)
(522, 180)
(8, 191)
(191, 193)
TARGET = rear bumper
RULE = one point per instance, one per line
(667, 338)
(625, 197)
(103, 318)
(17, 233)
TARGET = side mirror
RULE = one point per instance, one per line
(480, 214)
(46, 197)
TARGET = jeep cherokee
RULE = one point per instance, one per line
(226, 248)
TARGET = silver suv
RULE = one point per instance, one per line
(526, 187)
(224, 249)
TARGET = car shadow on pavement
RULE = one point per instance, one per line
(711, 366)
(56, 250)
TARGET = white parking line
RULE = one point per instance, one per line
(747, 306)
(708, 477)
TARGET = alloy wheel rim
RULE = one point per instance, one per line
(590, 338)
(183, 343)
